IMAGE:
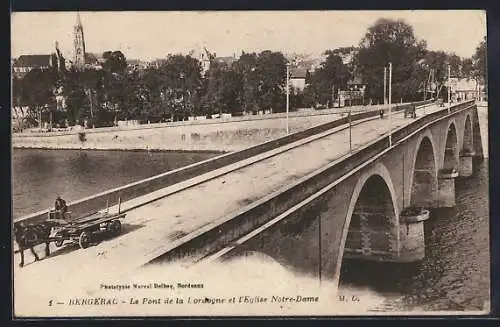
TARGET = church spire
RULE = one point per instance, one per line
(78, 20)
(79, 43)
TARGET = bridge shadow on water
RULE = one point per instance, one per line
(381, 277)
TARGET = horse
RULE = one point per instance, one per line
(27, 236)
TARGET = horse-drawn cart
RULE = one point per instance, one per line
(60, 227)
(84, 230)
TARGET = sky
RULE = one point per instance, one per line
(152, 35)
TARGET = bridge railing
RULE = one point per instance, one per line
(401, 133)
(413, 104)
(225, 231)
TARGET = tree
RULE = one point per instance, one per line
(455, 63)
(18, 100)
(481, 63)
(467, 68)
(271, 76)
(114, 62)
(229, 91)
(152, 87)
(296, 98)
(438, 62)
(36, 90)
(85, 94)
(77, 104)
(246, 67)
(180, 82)
(393, 41)
(325, 82)
(211, 100)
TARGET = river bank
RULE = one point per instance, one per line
(222, 136)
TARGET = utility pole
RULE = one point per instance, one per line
(385, 85)
(390, 101)
(287, 94)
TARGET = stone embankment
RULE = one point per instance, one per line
(228, 134)
(203, 135)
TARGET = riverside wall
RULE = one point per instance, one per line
(233, 134)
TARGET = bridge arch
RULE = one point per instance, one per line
(451, 151)
(371, 224)
(468, 138)
(423, 175)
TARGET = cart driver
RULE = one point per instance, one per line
(61, 208)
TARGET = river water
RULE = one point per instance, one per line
(453, 276)
(40, 175)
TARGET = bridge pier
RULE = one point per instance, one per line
(424, 188)
(446, 188)
(411, 236)
(466, 164)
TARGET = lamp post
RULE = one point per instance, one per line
(287, 94)
(385, 85)
(390, 101)
(350, 124)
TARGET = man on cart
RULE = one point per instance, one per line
(61, 208)
(60, 213)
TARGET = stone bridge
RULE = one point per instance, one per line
(374, 210)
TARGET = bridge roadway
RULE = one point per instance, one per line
(195, 205)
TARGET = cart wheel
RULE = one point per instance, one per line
(84, 240)
(59, 242)
(115, 226)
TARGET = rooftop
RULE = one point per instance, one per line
(32, 61)
(298, 72)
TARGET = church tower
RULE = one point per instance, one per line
(79, 42)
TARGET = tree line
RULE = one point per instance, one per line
(175, 87)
